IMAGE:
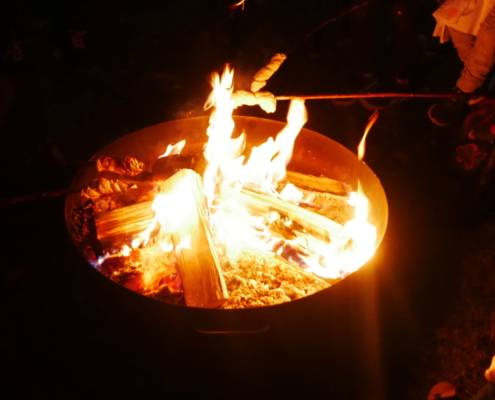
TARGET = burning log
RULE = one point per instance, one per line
(116, 226)
(331, 206)
(318, 184)
(190, 157)
(142, 193)
(261, 204)
(199, 266)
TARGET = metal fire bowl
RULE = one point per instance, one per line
(313, 154)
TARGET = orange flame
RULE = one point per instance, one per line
(235, 225)
(362, 145)
(174, 149)
(241, 4)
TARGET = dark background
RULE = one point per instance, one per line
(66, 334)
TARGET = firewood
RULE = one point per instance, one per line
(262, 204)
(116, 226)
(128, 165)
(102, 186)
(199, 267)
(143, 192)
(318, 184)
(331, 206)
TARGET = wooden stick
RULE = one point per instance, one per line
(374, 95)
(200, 270)
(117, 225)
(262, 204)
(318, 184)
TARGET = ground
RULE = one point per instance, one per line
(65, 334)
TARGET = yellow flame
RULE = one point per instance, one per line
(125, 251)
(170, 214)
(362, 144)
(220, 151)
(241, 4)
(267, 163)
(237, 227)
(174, 149)
(185, 242)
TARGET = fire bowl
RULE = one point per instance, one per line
(314, 154)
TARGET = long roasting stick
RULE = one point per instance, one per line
(374, 95)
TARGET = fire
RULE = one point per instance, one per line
(360, 233)
(362, 144)
(222, 152)
(237, 227)
(173, 149)
(238, 186)
(241, 4)
(170, 215)
(267, 164)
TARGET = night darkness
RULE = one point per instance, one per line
(77, 75)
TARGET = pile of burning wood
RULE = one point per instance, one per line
(218, 225)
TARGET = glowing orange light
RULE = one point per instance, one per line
(230, 172)
(241, 4)
(362, 144)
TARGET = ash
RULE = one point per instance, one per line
(256, 279)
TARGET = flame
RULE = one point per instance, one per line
(360, 232)
(221, 151)
(291, 193)
(241, 4)
(267, 164)
(362, 144)
(170, 214)
(231, 170)
(126, 251)
(174, 149)
(356, 242)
